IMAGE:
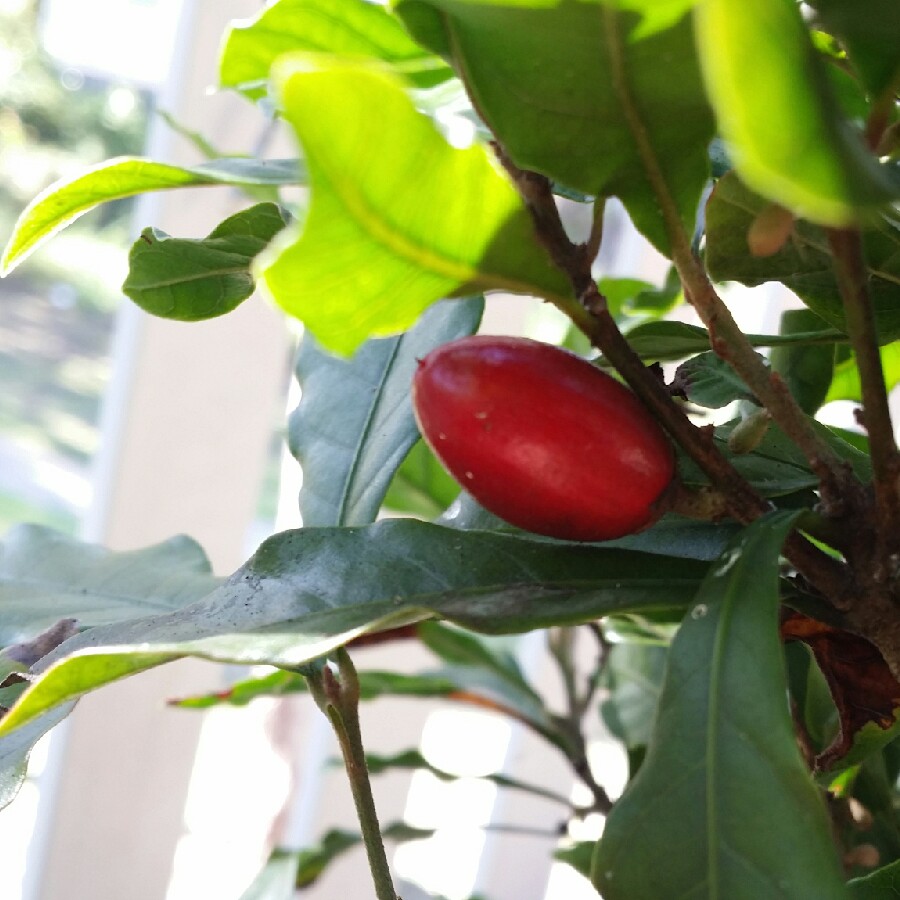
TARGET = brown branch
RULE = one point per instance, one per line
(727, 340)
(852, 277)
(837, 481)
(826, 574)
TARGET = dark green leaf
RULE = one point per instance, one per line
(66, 200)
(666, 340)
(312, 861)
(398, 218)
(307, 591)
(188, 279)
(578, 856)
(413, 759)
(776, 467)
(874, 789)
(349, 459)
(242, 692)
(633, 676)
(674, 535)
(804, 262)
(342, 27)
(871, 33)
(882, 884)
(807, 370)
(421, 486)
(773, 101)
(611, 87)
(709, 381)
(278, 878)
(723, 805)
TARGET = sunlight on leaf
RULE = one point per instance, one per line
(398, 218)
(775, 110)
(63, 202)
(610, 87)
(345, 27)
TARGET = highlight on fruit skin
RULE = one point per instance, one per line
(543, 439)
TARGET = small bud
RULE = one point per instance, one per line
(748, 434)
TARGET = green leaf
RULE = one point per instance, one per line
(874, 786)
(807, 371)
(66, 200)
(413, 759)
(882, 884)
(312, 861)
(776, 467)
(488, 666)
(278, 878)
(307, 591)
(46, 576)
(674, 535)
(623, 114)
(343, 27)
(16, 748)
(348, 460)
(723, 805)
(578, 856)
(870, 32)
(398, 218)
(709, 381)
(633, 676)
(666, 340)
(846, 384)
(48, 579)
(421, 486)
(774, 107)
(190, 280)
(804, 262)
(656, 15)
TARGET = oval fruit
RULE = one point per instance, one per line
(542, 438)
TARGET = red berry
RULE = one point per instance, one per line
(542, 438)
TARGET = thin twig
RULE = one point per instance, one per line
(726, 338)
(827, 575)
(571, 724)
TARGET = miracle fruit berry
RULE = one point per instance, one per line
(542, 438)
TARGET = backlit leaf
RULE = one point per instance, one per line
(66, 200)
(623, 107)
(342, 27)
(398, 218)
(775, 109)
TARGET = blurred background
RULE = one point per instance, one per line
(125, 430)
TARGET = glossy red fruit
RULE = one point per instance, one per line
(542, 438)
